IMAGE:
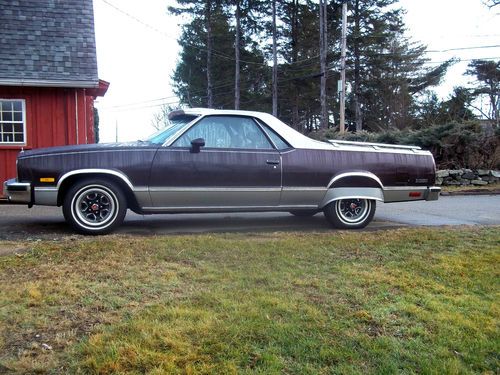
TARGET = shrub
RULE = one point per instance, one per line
(454, 145)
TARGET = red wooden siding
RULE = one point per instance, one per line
(54, 117)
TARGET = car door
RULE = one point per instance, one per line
(237, 168)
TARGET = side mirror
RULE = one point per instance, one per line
(196, 144)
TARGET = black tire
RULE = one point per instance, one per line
(94, 206)
(352, 213)
(304, 213)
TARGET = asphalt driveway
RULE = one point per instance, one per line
(19, 222)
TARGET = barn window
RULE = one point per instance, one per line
(12, 121)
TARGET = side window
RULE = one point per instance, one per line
(12, 121)
(226, 132)
(277, 140)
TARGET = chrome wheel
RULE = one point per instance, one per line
(352, 211)
(94, 206)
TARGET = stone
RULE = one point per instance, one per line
(442, 173)
(479, 182)
(464, 182)
(455, 172)
(495, 174)
(469, 176)
(453, 182)
(439, 181)
(483, 172)
(467, 170)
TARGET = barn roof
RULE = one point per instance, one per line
(47, 43)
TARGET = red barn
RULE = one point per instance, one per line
(48, 76)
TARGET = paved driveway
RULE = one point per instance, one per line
(19, 222)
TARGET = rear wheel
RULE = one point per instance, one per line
(94, 206)
(351, 213)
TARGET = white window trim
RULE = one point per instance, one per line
(25, 135)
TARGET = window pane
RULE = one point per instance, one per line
(18, 106)
(19, 137)
(7, 128)
(6, 106)
(7, 116)
(18, 116)
(226, 132)
(18, 128)
(277, 140)
(7, 138)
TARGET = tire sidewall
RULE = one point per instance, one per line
(109, 188)
(331, 212)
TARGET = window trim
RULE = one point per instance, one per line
(24, 120)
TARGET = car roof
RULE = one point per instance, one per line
(293, 137)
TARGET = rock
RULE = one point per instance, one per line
(483, 172)
(467, 170)
(464, 182)
(455, 172)
(469, 176)
(442, 173)
(46, 346)
(439, 181)
(479, 182)
(453, 182)
(495, 174)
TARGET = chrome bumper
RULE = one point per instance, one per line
(432, 193)
(17, 192)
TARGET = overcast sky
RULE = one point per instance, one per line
(137, 52)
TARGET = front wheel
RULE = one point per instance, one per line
(94, 206)
(352, 213)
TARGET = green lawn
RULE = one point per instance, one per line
(398, 301)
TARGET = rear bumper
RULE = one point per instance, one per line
(411, 193)
(17, 192)
(432, 193)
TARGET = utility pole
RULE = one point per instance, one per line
(323, 47)
(275, 65)
(342, 66)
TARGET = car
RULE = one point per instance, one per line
(211, 160)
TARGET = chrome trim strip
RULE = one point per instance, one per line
(390, 188)
(381, 145)
(209, 189)
(45, 196)
(356, 174)
(84, 152)
(232, 151)
(228, 208)
(95, 170)
(306, 188)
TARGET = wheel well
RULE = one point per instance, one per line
(356, 181)
(71, 180)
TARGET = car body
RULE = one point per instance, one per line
(222, 161)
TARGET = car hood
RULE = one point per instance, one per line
(86, 148)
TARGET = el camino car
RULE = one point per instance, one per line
(222, 161)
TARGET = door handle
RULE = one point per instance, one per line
(272, 162)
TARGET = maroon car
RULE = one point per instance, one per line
(222, 161)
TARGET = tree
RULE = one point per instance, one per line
(487, 74)
(387, 68)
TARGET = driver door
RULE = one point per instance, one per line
(237, 168)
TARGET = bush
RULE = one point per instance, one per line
(454, 145)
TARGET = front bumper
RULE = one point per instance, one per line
(17, 192)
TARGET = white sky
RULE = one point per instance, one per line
(138, 60)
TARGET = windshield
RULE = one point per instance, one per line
(173, 127)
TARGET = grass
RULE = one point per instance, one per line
(399, 301)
